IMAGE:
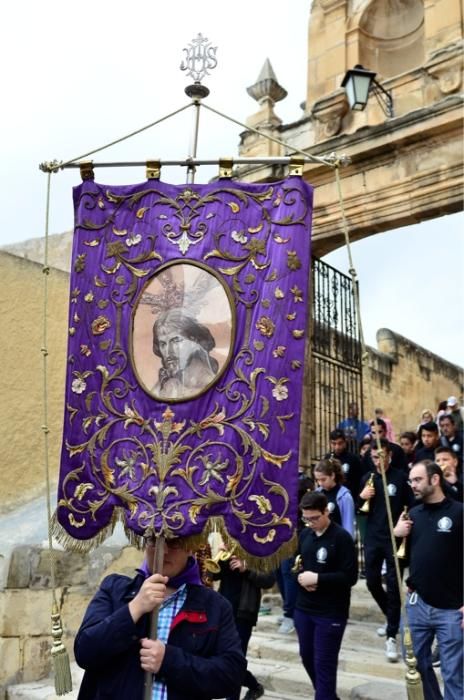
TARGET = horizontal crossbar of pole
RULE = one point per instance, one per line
(193, 162)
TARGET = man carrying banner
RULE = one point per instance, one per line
(197, 655)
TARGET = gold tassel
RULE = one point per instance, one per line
(60, 657)
(413, 677)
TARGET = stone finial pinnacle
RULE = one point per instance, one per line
(267, 88)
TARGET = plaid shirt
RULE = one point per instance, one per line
(167, 612)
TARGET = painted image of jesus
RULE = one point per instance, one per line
(182, 331)
(184, 346)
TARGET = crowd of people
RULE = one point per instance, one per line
(366, 483)
(423, 479)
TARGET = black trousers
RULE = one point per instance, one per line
(388, 600)
(244, 629)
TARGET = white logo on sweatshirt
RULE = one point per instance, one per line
(331, 507)
(445, 524)
(321, 555)
(391, 488)
(346, 468)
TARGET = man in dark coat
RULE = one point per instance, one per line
(197, 653)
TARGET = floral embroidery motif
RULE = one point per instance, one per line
(265, 326)
(79, 265)
(293, 261)
(133, 239)
(78, 385)
(239, 236)
(100, 325)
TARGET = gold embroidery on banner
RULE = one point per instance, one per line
(79, 265)
(166, 455)
(157, 448)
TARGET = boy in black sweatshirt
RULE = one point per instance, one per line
(329, 570)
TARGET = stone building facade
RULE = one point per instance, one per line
(407, 378)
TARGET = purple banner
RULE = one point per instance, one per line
(187, 324)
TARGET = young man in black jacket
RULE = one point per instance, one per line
(377, 542)
(429, 438)
(329, 570)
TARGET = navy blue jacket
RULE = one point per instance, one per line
(203, 657)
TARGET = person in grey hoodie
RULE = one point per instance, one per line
(328, 474)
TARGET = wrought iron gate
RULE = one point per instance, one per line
(335, 372)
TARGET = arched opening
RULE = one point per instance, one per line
(392, 36)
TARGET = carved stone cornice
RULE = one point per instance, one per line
(446, 68)
(328, 113)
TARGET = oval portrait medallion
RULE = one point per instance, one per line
(183, 328)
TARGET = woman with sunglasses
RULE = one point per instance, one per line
(197, 653)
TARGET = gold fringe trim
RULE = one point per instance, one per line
(214, 525)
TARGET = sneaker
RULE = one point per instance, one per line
(286, 626)
(435, 656)
(258, 692)
(265, 610)
(381, 631)
(390, 649)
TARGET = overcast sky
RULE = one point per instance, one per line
(78, 76)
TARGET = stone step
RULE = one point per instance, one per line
(361, 650)
(287, 681)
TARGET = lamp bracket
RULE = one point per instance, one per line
(383, 97)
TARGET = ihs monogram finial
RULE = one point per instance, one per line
(200, 58)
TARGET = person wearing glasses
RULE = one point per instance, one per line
(435, 603)
(197, 653)
(329, 570)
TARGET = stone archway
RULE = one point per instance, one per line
(404, 169)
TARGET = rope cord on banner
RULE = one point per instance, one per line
(413, 678)
(62, 671)
(54, 166)
(317, 159)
